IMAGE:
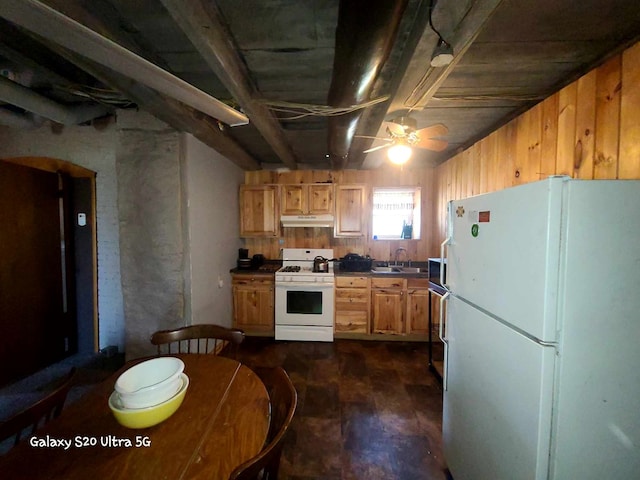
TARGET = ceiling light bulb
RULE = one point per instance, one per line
(442, 54)
(399, 154)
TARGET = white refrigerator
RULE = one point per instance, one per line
(542, 332)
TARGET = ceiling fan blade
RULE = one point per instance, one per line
(375, 138)
(432, 144)
(437, 130)
(379, 147)
(394, 128)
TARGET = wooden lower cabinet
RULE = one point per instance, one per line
(400, 305)
(352, 304)
(253, 303)
(418, 306)
(388, 305)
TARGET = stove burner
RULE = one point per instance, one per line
(291, 268)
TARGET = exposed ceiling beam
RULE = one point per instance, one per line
(465, 33)
(72, 35)
(365, 35)
(15, 94)
(203, 24)
(175, 114)
(20, 59)
(372, 118)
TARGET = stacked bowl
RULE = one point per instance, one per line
(150, 392)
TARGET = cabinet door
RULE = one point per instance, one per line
(259, 212)
(350, 211)
(307, 198)
(352, 310)
(388, 308)
(253, 308)
(320, 199)
(418, 311)
(293, 199)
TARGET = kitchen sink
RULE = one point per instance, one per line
(385, 270)
(397, 269)
(411, 269)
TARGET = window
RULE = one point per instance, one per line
(396, 213)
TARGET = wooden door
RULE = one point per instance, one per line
(350, 211)
(293, 200)
(259, 212)
(31, 271)
(418, 311)
(320, 199)
(388, 308)
(253, 304)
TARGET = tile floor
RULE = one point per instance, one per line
(366, 409)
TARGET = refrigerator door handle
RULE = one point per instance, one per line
(443, 262)
(441, 334)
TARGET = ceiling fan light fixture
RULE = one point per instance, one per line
(399, 154)
(442, 54)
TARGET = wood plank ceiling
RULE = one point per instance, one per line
(313, 58)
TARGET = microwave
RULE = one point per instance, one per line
(435, 265)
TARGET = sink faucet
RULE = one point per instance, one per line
(398, 252)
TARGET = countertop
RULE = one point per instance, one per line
(272, 266)
(268, 268)
(370, 273)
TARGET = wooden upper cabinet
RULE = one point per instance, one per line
(259, 211)
(350, 216)
(307, 199)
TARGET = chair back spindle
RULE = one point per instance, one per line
(198, 339)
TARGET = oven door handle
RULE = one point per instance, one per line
(305, 284)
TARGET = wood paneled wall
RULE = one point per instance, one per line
(590, 130)
(323, 237)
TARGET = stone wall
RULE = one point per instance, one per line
(152, 259)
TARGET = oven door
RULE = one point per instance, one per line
(304, 304)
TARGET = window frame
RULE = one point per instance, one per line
(416, 213)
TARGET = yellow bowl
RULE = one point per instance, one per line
(149, 416)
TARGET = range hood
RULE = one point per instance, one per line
(307, 220)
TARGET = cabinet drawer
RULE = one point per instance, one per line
(255, 280)
(380, 282)
(351, 296)
(417, 282)
(356, 282)
(353, 322)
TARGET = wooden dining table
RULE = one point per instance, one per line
(222, 422)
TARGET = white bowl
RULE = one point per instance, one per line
(150, 416)
(150, 382)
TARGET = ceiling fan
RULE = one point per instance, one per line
(402, 131)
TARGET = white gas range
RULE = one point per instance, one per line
(304, 298)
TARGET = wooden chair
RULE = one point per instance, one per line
(284, 398)
(43, 411)
(202, 338)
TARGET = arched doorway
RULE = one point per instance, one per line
(48, 268)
